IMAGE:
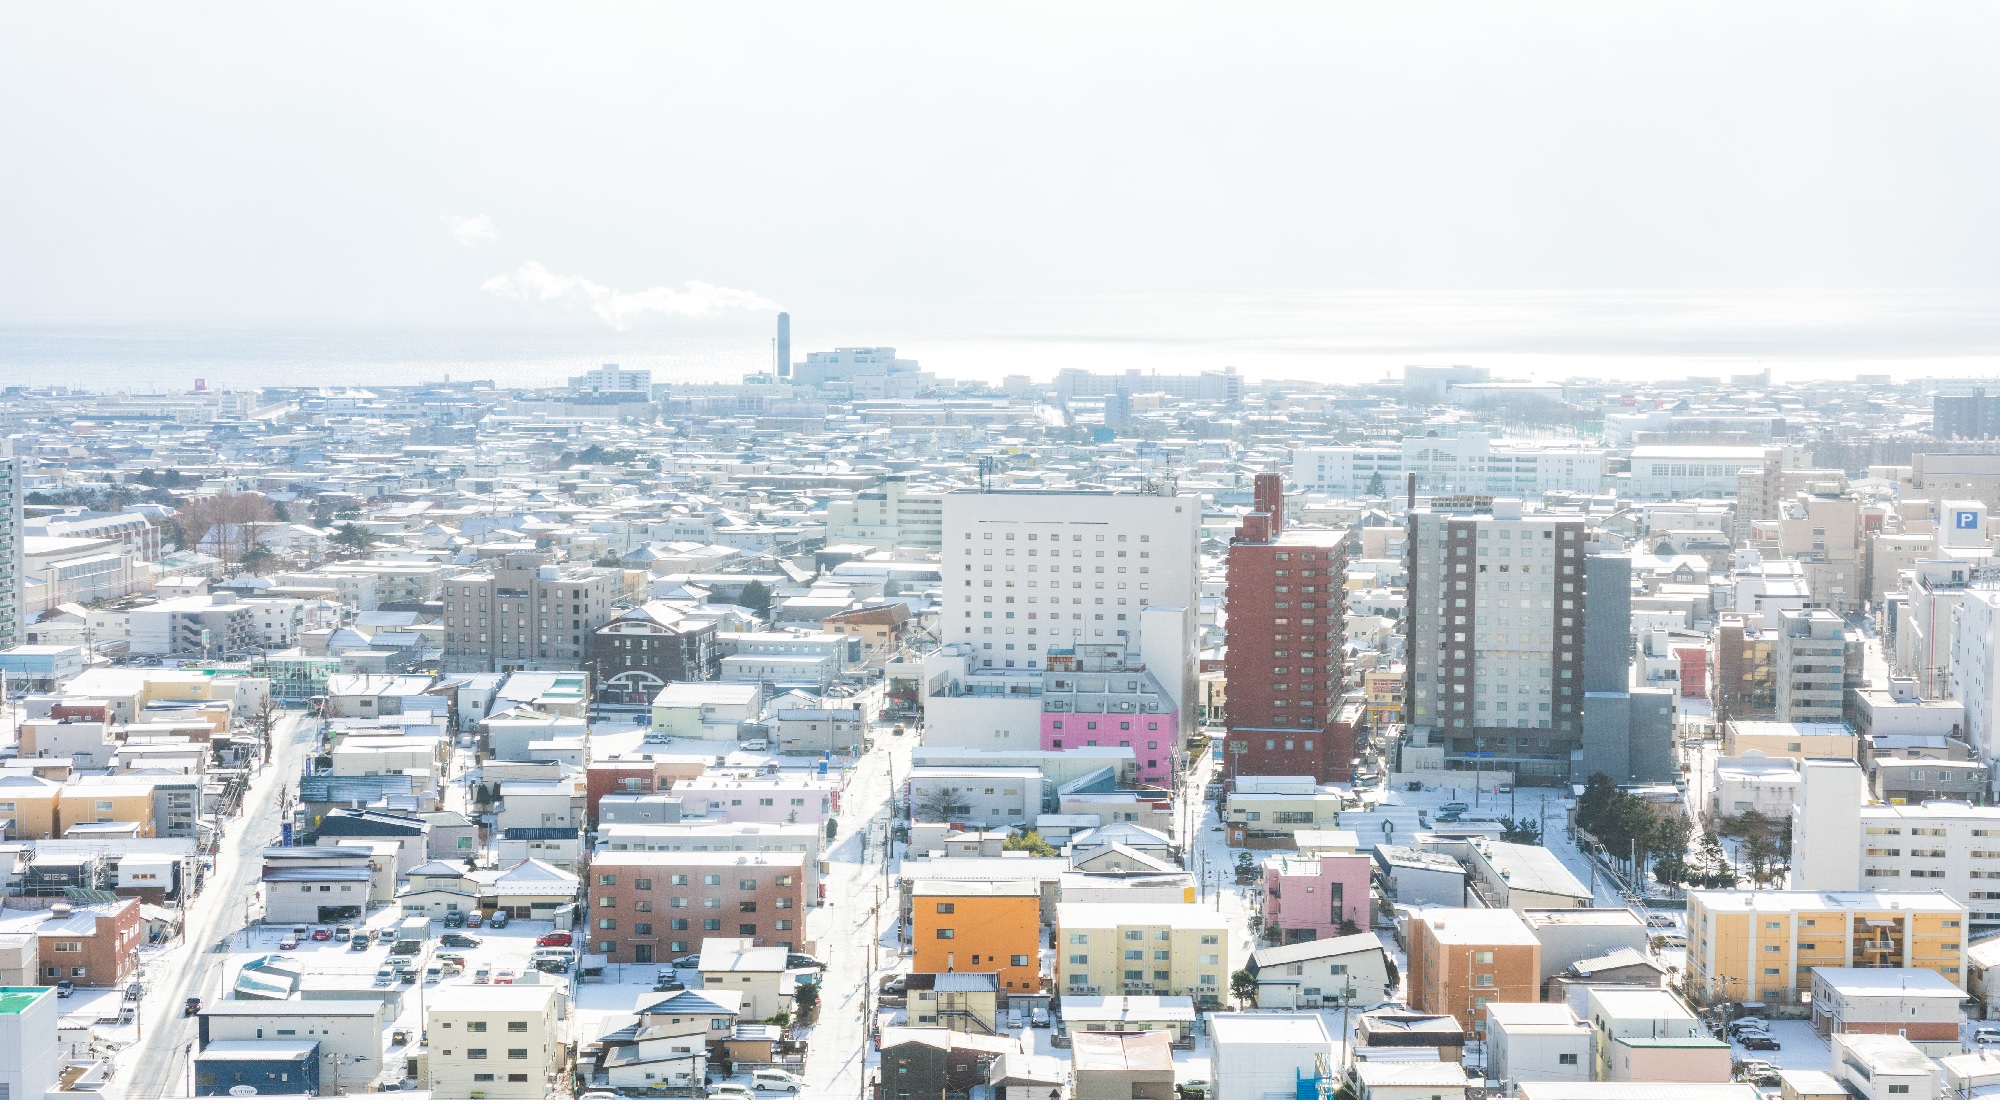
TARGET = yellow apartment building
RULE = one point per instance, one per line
(1761, 946)
(1158, 949)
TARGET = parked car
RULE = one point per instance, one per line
(757, 744)
(504, 977)
(686, 962)
(434, 974)
(65, 987)
(1040, 1016)
(473, 920)
(1196, 1088)
(322, 935)
(458, 939)
(498, 920)
(1749, 1021)
(563, 939)
(804, 962)
(386, 976)
(1755, 1041)
(774, 1080)
(730, 1091)
(455, 919)
(191, 1006)
(893, 986)
(359, 941)
(342, 933)
(288, 944)
(1986, 1036)
(451, 959)
(482, 976)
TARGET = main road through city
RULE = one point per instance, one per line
(160, 1063)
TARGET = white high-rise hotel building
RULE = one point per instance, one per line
(1027, 571)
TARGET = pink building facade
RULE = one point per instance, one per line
(1310, 898)
(1151, 735)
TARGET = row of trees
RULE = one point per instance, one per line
(1632, 832)
(1661, 842)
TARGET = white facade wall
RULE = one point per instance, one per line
(1754, 783)
(1468, 463)
(1972, 674)
(29, 1062)
(1938, 846)
(1095, 562)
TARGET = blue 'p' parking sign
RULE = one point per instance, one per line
(1965, 519)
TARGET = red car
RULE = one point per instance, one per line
(555, 939)
(288, 944)
(322, 935)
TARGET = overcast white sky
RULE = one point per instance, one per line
(378, 163)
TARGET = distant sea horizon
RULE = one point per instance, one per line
(1333, 337)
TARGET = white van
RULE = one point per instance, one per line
(773, 1080)
(756, 743)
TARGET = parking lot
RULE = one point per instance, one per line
(498, 957)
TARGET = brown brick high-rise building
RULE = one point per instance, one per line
(1284, 659)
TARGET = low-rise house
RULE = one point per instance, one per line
(1986, 965)
(1524, 876)
(1135, 1066)
(529, 890)
(323, 884)
(1651, 1035)
(963, 1002)
(1115, 1012)
(934, 1063)
(1920, 1005)
(1883, 1067)
(1408, 1081)
(494, 1041)
(1260, 1056)
(259, 1067)
(759, 975)
(818, 730)
(1267, 809)
(352, 1029)
(94, 946)
(1396, 1030)
(668, 1044)
(1316, 898)
(1348, 969)
(1570, 935)
(1754, 783)
(1538, 1042)
(705, 710)
(1409, 876)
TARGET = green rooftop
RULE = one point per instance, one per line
(15, 999)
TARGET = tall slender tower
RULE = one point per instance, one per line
(784, 351)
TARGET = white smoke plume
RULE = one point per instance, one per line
(618, 309)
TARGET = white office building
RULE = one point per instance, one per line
(1469, 462)
(13, 572)
(1972, 672)
(896, 515)
(1842, 844)
(1690, 471)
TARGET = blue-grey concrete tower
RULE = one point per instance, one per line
(783, 351)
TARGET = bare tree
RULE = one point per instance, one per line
(263, 720)
(236, 521)
(944, 803)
